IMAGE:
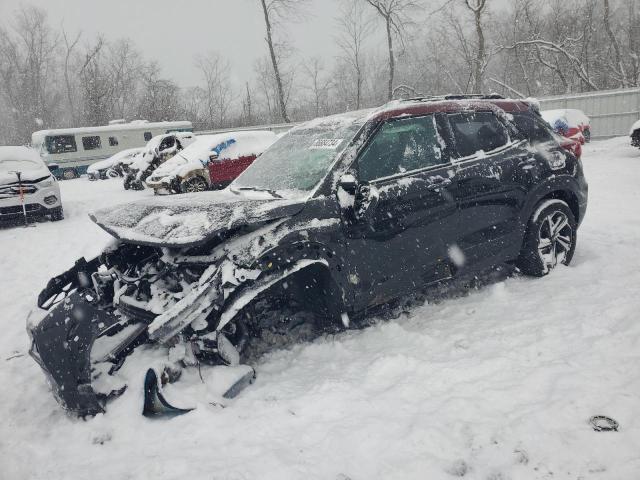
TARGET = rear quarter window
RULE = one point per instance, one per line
(477, 131)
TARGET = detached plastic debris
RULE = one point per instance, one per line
(224, 382)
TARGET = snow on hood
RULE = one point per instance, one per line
(229, 145)
(189, 219)
(24, 160)
(573, 117)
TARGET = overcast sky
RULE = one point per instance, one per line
(173, 32)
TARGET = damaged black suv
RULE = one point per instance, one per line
(341, 214)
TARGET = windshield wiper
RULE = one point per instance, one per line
(273, 193)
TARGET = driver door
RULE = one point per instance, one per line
(403, 214)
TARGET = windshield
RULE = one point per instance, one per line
(299, 160)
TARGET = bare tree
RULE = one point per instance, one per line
(218, 94)
(70, 46)
(394, 13)
(160, 99)
(480, 63)
(27, 72)
(277, 11)
(318, 85)
(355, 28)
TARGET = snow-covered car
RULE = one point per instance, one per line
(341, 215)
(211, 162)
(159, 149)
(27, 186)
(112, 167)
(570, 123)
(634, 133)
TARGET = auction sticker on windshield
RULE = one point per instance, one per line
(326, 144)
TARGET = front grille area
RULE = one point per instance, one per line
(13, 190)
(17, 209)
(135, 313)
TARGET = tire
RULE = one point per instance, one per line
(57, 214)
(587, 135)
(550, 239)
(193, 185)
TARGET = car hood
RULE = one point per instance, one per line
(35, 175)
(189, 219)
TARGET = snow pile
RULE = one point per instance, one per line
(494, 385)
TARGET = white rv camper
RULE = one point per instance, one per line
(74, 149)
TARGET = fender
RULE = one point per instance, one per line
(246, 295)
(563, 186)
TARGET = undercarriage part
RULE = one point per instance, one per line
(155, 405)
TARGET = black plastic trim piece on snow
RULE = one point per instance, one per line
(600, 423)
(155, 404)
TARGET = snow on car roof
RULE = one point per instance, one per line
(572, 116)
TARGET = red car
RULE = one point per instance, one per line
(570, 123)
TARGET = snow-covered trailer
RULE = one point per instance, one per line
(74, 149)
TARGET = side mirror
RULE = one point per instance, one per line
(358, 201)
(52, 167)
(348, 183)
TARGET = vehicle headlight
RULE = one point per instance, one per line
(47, 182)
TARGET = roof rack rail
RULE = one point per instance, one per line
(457, 96)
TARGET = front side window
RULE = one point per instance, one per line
(61, 144)
(91, 143)
(167, 142)
(113, 142)
(477, 131)
(401, 146)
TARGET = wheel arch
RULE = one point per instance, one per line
(562, 188)
(311, 278)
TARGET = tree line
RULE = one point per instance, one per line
(51, 78)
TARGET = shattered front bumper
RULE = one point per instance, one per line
(61, 344)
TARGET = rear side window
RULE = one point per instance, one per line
(61, 144)
(91, 143)
(533, 128)
(475, 131)
(113, 142)
(167, 142)
(147, 136)
(401, 146)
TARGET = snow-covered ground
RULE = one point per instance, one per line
(498, 384)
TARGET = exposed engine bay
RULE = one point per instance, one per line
(100, 310)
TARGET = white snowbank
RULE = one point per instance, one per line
(495, 385)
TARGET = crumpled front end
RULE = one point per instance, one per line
(100, 310)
